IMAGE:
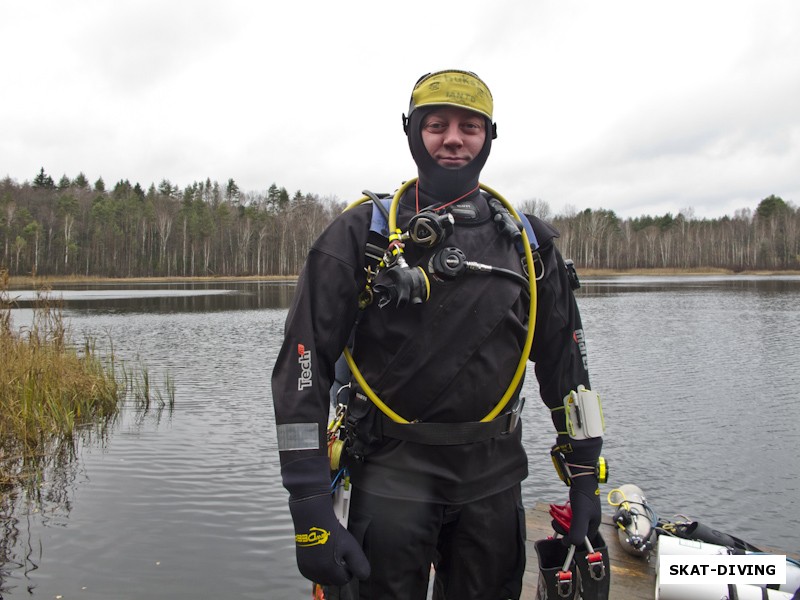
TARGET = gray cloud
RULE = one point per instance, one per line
(628, 106)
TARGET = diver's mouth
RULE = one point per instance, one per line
(452, 162)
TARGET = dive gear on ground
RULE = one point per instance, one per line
(643, 533)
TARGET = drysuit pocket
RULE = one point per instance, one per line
(363, 425)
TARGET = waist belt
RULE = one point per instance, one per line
(453, 434)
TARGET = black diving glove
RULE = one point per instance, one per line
(326, 552)
(584, 494)
(584, 498)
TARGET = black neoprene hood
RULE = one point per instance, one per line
(434, 180)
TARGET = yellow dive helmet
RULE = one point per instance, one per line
(452, 88)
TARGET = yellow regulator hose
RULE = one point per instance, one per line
(526, 350)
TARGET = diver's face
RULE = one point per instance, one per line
(453, 136)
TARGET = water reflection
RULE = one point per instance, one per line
(600, 286)
(46, 486)
(165, 298)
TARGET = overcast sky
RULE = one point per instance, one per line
(637, 106)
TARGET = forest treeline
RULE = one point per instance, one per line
(74, 227)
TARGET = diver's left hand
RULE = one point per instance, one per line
(584, 499)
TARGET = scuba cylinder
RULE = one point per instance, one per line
(634, 519)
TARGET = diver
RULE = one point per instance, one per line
(439, 318)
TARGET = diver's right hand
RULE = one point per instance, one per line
(326, 552)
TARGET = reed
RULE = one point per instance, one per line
(144, 394)
(49, 389)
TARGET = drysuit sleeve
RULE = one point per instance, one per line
(559, 348)
(318, 324)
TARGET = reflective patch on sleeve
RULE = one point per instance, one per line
(298, 436)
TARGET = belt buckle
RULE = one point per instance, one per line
(513, 416)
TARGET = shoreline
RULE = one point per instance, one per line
(40, 281)
(20, 280)
(681, 272)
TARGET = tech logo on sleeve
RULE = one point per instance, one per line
(304, 360)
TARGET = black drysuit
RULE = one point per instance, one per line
(447, 360)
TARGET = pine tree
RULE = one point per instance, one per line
(81, 182)
(43, 181)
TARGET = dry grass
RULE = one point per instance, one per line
(49, 389)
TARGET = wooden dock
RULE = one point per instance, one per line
(632, 578)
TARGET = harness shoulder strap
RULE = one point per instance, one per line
(380, 210)
(526, 225)
(543, 230)
(378, 237)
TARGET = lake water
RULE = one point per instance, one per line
(700, 384)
